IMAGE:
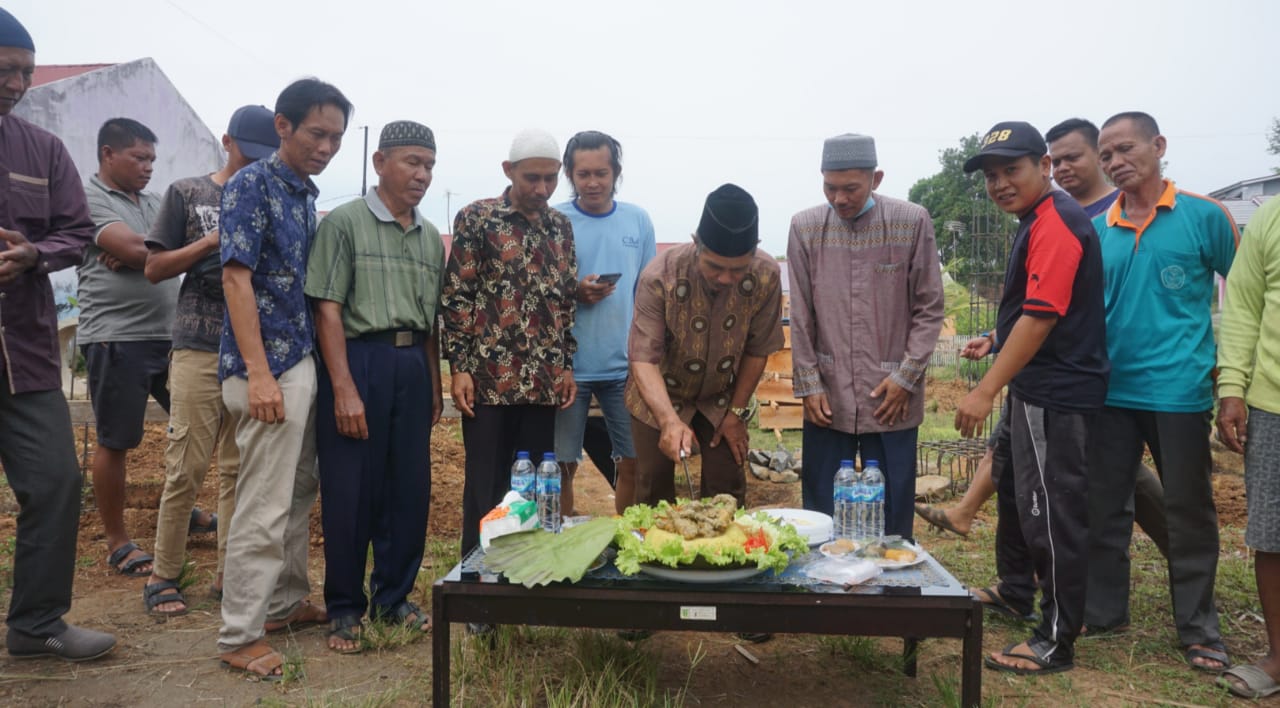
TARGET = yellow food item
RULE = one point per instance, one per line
(733, 537)
(900, 555)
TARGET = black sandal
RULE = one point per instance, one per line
(156, 594)
(1045, 664)
(348, 628)
(130, 567)
(412, 616)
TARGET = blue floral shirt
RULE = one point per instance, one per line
(267, 223)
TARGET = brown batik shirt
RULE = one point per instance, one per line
(696, 338)
(508, 302)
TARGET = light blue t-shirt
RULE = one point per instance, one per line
(1158, 287)
(621, 241)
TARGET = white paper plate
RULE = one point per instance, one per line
(683, 575)
(884, 563)
(814, 526)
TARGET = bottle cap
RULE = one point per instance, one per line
(548, 456)
(846, 463)
(872, 463)
(522, 455)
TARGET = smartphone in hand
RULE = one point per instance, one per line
(608, 278)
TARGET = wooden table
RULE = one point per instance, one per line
(925, 601)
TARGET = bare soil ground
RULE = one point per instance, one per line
(165, 663)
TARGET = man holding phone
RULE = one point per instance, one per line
(614, 242)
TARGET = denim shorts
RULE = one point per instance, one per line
(572, 421)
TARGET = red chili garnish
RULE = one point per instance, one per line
(756, 540)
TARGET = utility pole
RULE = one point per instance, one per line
(448, 208)
(364, 172)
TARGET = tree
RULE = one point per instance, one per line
(964, 219)
(1273, 141)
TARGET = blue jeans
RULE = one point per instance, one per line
(571, 422)
(822, 450)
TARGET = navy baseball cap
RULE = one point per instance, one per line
(1012, 138)
(254, 130)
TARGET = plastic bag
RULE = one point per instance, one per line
(842, 572)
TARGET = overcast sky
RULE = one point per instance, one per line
(705, 92)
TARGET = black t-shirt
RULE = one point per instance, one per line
(189, 211)
(1055, 270)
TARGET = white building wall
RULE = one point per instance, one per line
(74, 109)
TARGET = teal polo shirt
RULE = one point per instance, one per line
(1158, 290)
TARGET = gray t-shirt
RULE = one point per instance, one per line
(188, 212)
(121, 306)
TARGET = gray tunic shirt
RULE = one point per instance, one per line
(866, 303)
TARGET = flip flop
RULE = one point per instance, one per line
(938, 518)
(258, 659)
(1043, 665)
(130, 567)
(1252, 681)
(304, 613)
(999, 605)
(1214, 651)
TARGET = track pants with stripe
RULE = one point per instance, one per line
(1050, 477)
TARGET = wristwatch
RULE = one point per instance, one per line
(743, 412)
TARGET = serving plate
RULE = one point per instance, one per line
(698, 575)
(814, 526)
(884, 563)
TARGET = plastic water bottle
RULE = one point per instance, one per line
(845, 501)
(873, 500)
(522, 476)
(549, 493)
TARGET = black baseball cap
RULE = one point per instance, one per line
(1012, 138)
(254, 130)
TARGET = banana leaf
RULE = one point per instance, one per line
(539, 557)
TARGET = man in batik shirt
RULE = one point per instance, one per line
(508, 316)
(708, 315)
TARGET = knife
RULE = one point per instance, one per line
(684, 460)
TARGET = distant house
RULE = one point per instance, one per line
(1243, 198)
(73, 100)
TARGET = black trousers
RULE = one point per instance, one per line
(38, 452)
(491, 440)
(1048, 528)
(377, 491)
(1179, 442)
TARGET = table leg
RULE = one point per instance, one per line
(439, 651)
(910, 650)
(971, 664)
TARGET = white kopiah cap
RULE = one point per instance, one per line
(534, 142)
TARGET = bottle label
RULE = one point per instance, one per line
(548, 486)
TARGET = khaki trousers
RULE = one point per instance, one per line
(199, 425)
(266, 567)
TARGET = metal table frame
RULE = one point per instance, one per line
(642, 603)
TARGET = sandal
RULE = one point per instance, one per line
(412, 616)
(304, 613)
(347, 628)
(938, 518)
(992, 600)
(1250, 681)
(1213, 651)
(1044, 664)
(156, 594)
(194, 526)
(129, 568)
(258, 659)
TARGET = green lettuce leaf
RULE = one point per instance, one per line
(639, 518)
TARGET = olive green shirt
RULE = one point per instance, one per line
(386, 278)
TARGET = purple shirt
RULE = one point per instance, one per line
(40, 196)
